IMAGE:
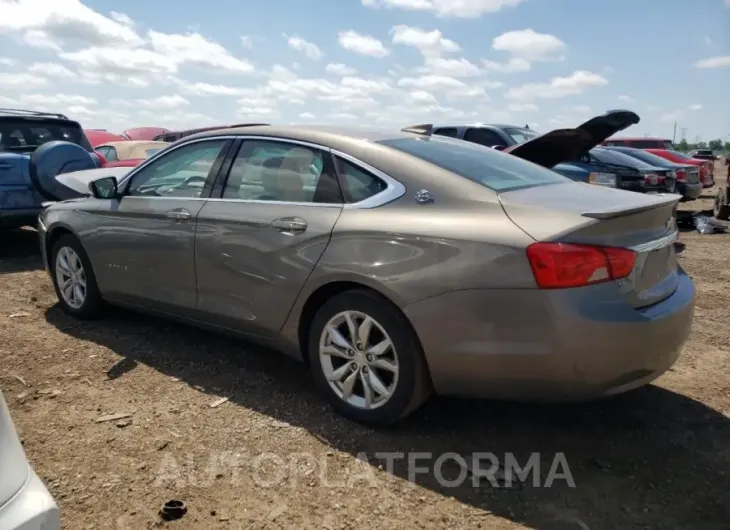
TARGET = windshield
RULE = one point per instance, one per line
(23, 135)
(680, 155)
(520, 135)
(608, 156)
(644, 156)
(489, 167)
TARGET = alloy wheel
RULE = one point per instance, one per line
(70, 277)
(359, 360)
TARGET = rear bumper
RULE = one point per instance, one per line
(549, 345)
(32, 508)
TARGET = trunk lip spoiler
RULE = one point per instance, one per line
(656, 244)
(667, 199)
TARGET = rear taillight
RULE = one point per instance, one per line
(681, 175)
(561, 265)
(652, 179)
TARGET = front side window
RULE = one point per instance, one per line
(491, 168)
(181, 173)
(266, 170)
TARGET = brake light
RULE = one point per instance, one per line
(652, 179)
(681, 175)
(562, 266)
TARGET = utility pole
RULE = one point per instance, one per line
(674, 134)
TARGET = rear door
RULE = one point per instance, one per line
(260, 238)
(143, 243)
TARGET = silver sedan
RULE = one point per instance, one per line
(395, 264)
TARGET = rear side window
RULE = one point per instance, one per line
(357, 183)
(483, 137)
(650, 144)
(28, 135)
(491, 168)
(617, 143)
(451, 132)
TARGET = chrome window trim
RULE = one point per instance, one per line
(394, 189)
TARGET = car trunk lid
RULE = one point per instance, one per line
(563, 145)
(580, 213)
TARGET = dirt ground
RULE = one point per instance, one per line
(274, 456)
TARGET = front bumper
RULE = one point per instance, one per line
(535, 345)
(32, 508)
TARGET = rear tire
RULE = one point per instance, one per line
(377, 377)
(722, 208)
(74, 280)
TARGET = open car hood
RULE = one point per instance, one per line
(564, 145)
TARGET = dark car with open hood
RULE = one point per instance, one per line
(35, 147)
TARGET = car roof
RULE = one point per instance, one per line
(335, 137)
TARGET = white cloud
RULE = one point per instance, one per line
(7, 61)
(55, 70)
(450, 67)
(557, 87)
(714, 62)
(431, 82)
(529, 45)
(626, 99)
(340, 69)
(21, 81)
(362, 44)
(66, 21)
(696, 106)
(160, 103)
(196, 49)
(207, 89)
(307, 116)
(579, 109)
(522, 107)
(247, 41)
(56, 100)
(429, 43)
(446, 8)
(309, 49)
(514, 65)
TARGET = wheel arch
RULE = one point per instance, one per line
(322, 293)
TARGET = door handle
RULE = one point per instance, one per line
(180, 214)
(289, 224)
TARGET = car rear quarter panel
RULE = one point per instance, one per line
(409, 252)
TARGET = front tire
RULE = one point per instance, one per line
(366, 359)
(74, 280)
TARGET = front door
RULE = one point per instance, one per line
(257, 243)
(144, 242)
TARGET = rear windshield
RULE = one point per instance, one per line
(620, 159)
(489, 167)
(27, 135)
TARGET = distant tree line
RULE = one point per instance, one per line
(716, 145)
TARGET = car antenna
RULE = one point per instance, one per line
(527, 126)
(425, 129)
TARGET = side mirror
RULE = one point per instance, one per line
(104, 188)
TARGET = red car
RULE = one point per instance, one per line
(640, 143)
(707, 167)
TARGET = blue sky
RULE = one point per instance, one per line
(380, 63)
